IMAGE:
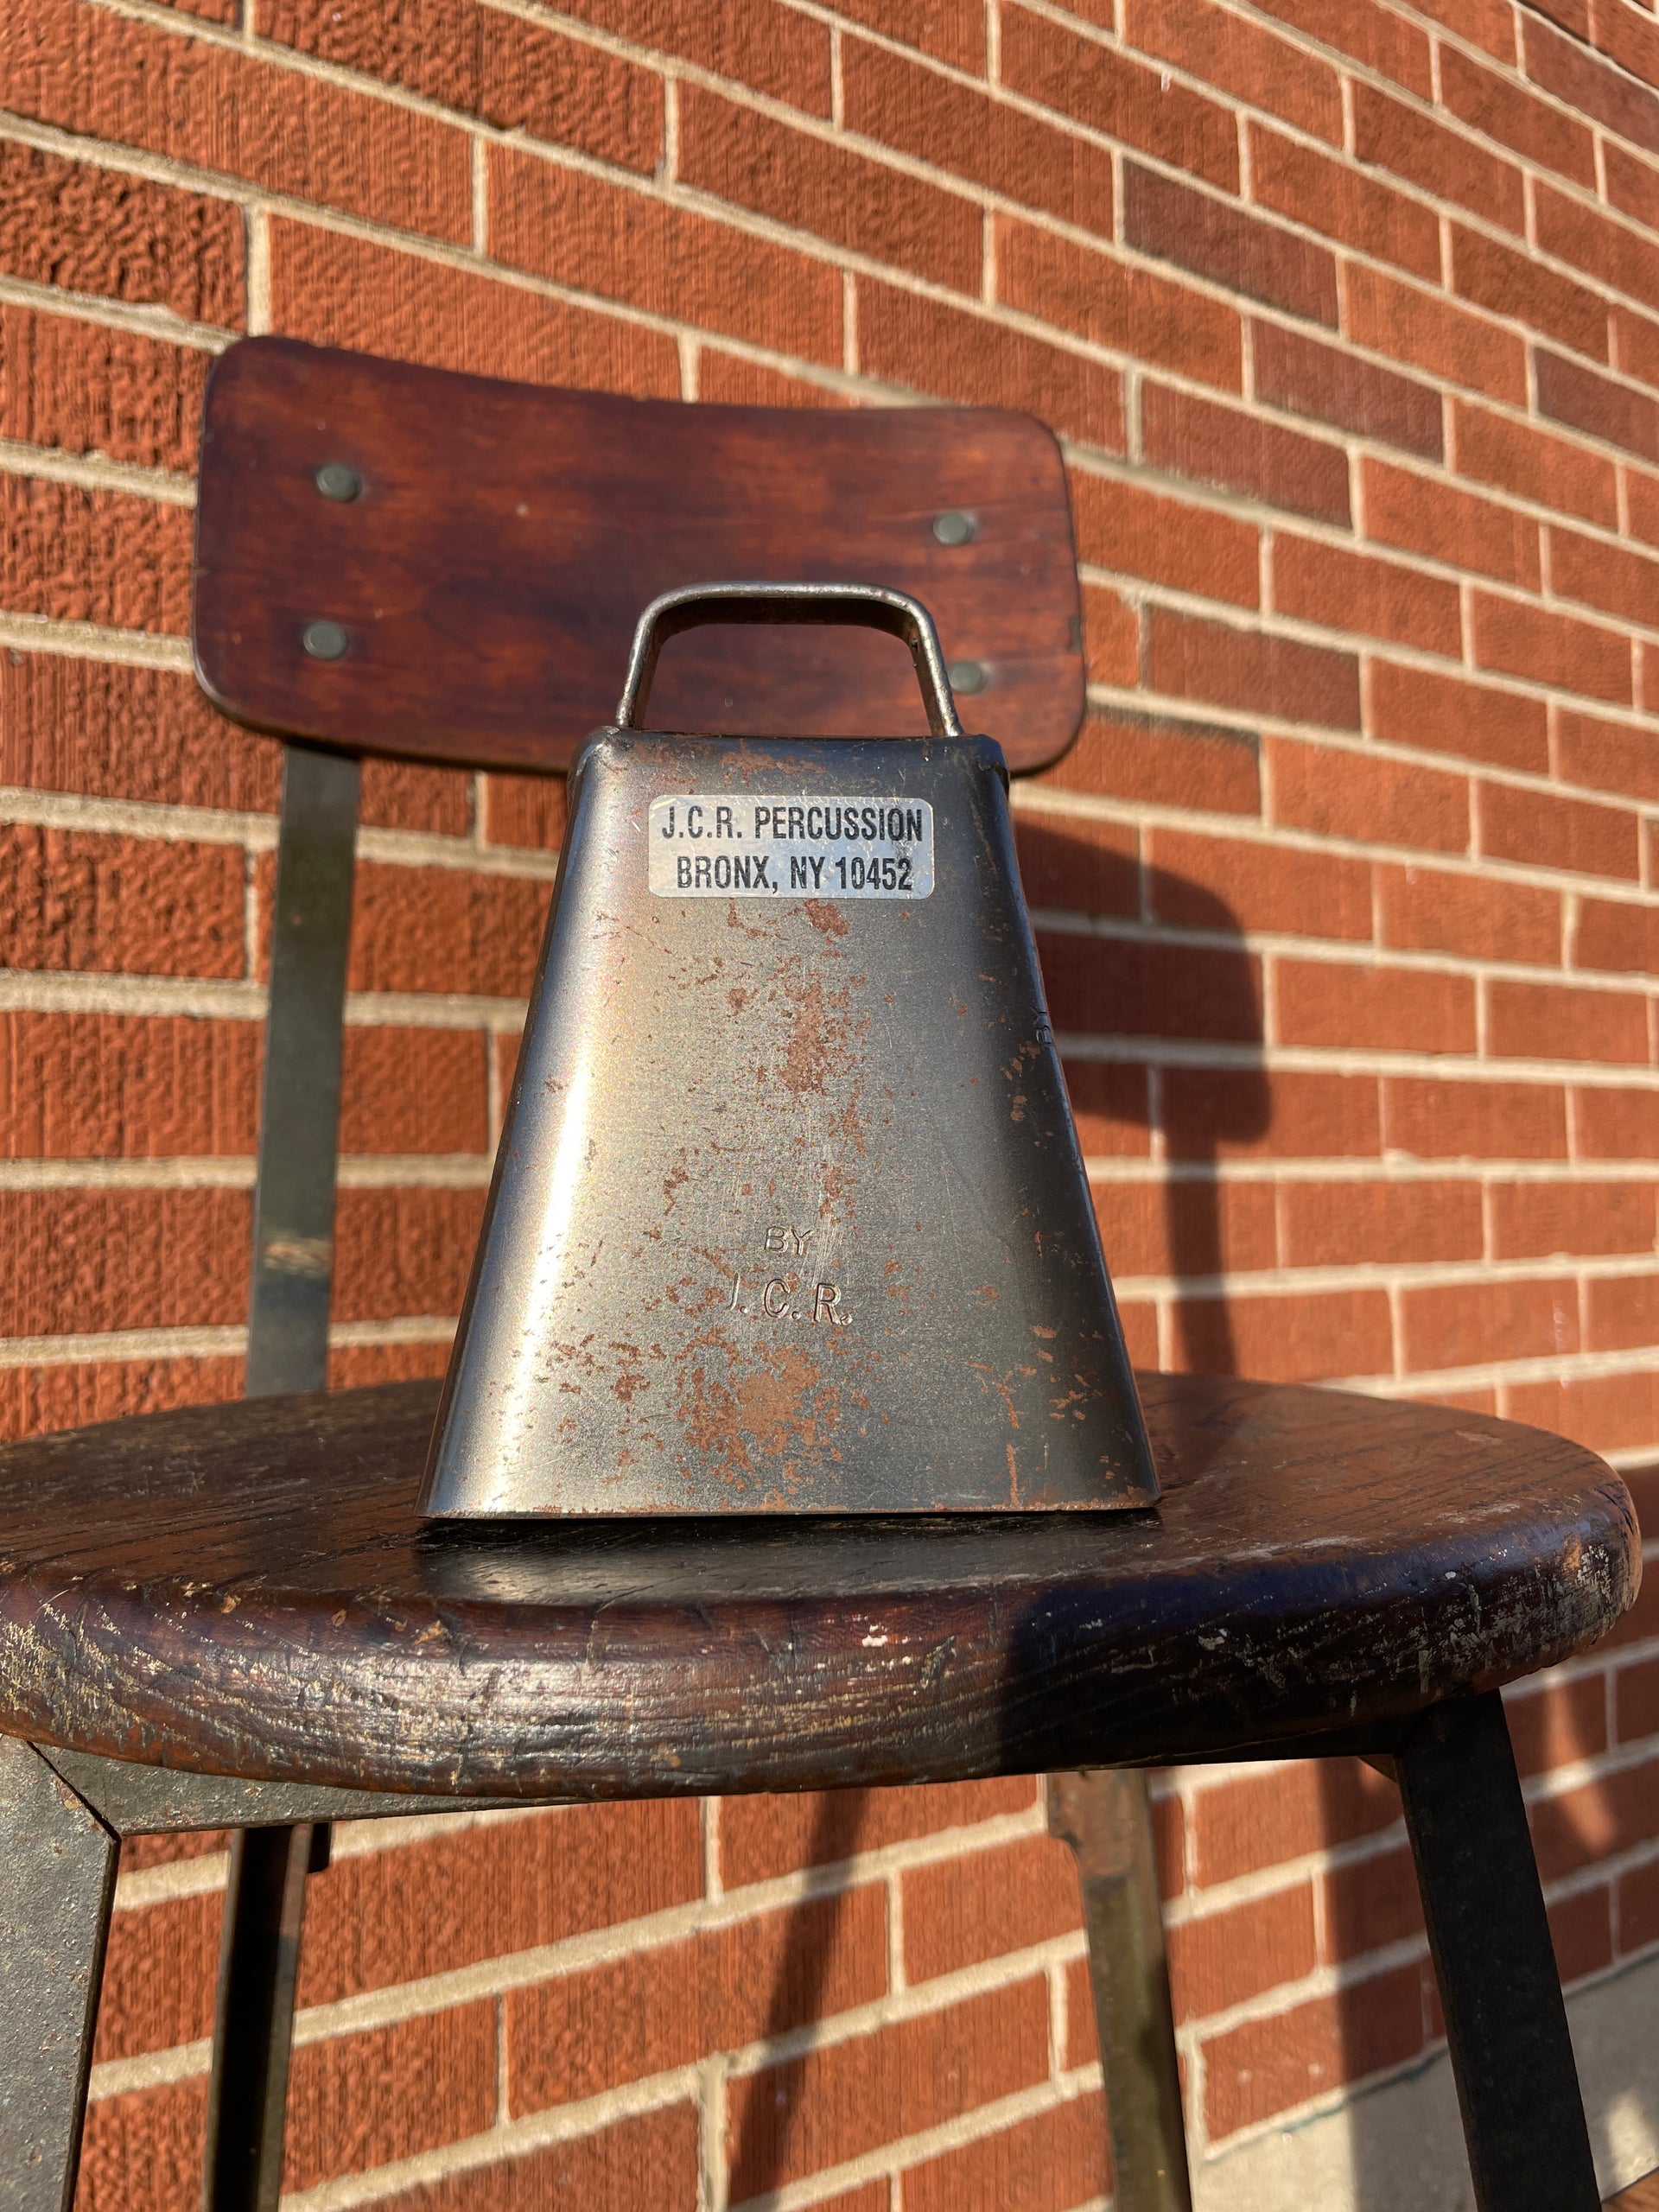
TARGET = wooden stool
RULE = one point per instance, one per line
(245, 1592)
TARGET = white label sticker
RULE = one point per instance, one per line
(708, 846)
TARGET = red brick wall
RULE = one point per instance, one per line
(1349, 314)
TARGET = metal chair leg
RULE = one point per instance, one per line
(287, 1349)
(1489, 1937)
(1105, 1817)
(57, 1885)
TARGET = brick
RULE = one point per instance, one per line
(1555, 1723)
(1372, 798)
(407, 795)
(1112, 303)
(109, 731)
(590, 2029)
(1267, 2066)
(146, 2147)
(763, 1837)
(1219, 445)
(432, 1907)
(1637, 1908)
(951, 30)
(1572, 834)
(1218, 1960)
(1544, 1220)
(1513, 117)
(1297, 374)
(1605, 577)
(1107, 92)
(1228, 244)
(1238, 1113)
(1383, 42)
(1480, 917)
(86, 1259)
(1123, 527)
(1111, 637)
(1350, 1225)
(648, 2162)
(755, 42)
(1110, 1108)
(161, 1972)
(1326, 584)
(1618, 936)
(1432, 1118)
(1188, 1229)
(1620, 1313)
(1238, 56)
(354, 1367)
(1369, 1903)
(1510, 283)
(1593, 241)
(338, 290)
(1429, 331)
(1614, 1124)
(1535, 465)
(74, 555)
(1337, 200)
(83, 388)
(1150, 990)
(1422, 514)
(86, 902)
(1632, 185)
(1466, 1325)
(923, 344)
(441, 930)
(1203, 882)
(1608, 1413)
(1280, 676)
(415, 1091)
(1549, 1022)
(1582, 398)
(583, 230)
(1613, 1814)
(515, 74)
(1258, 1820)
(1628, 38)
(987, 1903)
(34, 1399)
(82, 229)
(756, 160)
(1424, 710)
(1386, 1009)
(1140, 1320)
(1489, 23)
(1178, 764)
(965, 132)
(1517, 639)
(1047, 2163)
(75, 1086)
(1079, 867)
(1288, 1338)
(1634, 348)
(403, 1252)
(846, 2098)
(217, 107)
(1636, 1701)
(1588, 85)
(1581, 1929)
(1389, 135)
(362, 2101)
(728, 380)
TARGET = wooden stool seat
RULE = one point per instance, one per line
(246, 1590)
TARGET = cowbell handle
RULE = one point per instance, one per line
(864, 606)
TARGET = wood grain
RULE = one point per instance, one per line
(506, 537)
(246, 1589)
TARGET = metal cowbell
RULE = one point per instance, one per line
(789, 1214)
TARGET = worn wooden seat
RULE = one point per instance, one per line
(232, 1613)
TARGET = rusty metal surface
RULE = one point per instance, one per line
(789, 1212)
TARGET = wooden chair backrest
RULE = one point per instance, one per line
(488, 572)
